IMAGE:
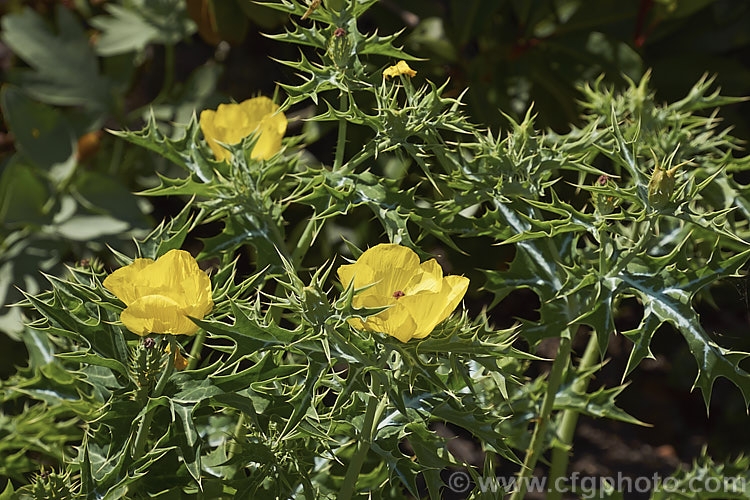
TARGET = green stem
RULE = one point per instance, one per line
(537, 439)
(374, 408)
(341, 140)
(468, 27)
(639, 247)
(195, 351)
(143, 428)
(359, 158)
(568, 422)
(237, 433)
(303, 244)
(140, 437)
(168, 81)
(116, 161)
(166, 86)
(277, 238)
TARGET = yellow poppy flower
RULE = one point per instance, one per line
(231, 123)
(418, 295)
(161, 294)
(400, 68)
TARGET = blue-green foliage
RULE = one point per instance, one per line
(280, 387)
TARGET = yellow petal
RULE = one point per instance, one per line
(157, 314)
(272, 130)
(362, 275)
(177, 275)
(454, 289)
(232, 118)
(439, 306)
(356, 323)
(346, 273)
(175, 278)
(231, 123)
(257, 108)
(400, 68)
(428, 278)
(127, 283)
(211, 134)
(180, 363)
(266, 118)
(417, 295)
(390, 267)
(425, 308)
(395, 321)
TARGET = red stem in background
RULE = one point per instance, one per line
(639, 36)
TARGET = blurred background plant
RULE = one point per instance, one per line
(73, 69)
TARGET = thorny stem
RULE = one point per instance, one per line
(360, 158)
(468, 27)
(195, 350)
(279, 243)
(299, 252)
(537, 439)
(166, 87)
(237, 434)
(638, 248)
(303, 244)
(168, 82)
(374, 410)
(341, 140)
(143, 428)
(277, 237)
(569, 420)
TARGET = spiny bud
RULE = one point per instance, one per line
(316, 306)
(340, 48)
(54, 485)
(144, 367)
(661, 185)
(603, 203)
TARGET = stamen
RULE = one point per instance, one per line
(398, 294)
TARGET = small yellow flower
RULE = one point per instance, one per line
(418, 295)
(401, 68)
(161, 294)
(231, 123)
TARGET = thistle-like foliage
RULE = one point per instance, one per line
(287, 392)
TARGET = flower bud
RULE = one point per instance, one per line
(661, 185)
(603, 203)
(316, 306)
(340, 48)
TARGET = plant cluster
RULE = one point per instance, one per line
(321, 371)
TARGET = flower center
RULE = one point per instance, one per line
(398, 294)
